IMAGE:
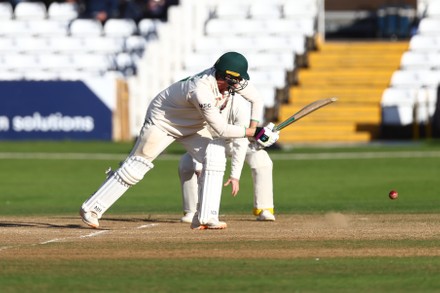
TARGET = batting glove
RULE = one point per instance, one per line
(266, 136)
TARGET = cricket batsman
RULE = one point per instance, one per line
(180, 113)
(237, 111)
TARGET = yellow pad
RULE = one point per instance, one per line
(257, 212)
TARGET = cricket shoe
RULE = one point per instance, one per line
(187, 218)
(265, 215)
(195, 225)
(90, 218)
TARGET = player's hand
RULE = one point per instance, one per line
(235, 185)
(266, 136)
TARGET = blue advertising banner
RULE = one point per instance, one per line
(55, 110)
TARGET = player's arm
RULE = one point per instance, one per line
(240, 115)
(251, 94)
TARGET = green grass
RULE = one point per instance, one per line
(54, 186)
(223, 275)
(59, 186)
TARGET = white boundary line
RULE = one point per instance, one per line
(147, 226)
(93, 234)
(55, 240)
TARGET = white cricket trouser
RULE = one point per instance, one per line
(210, 182)
(151, 142)
(261, 166)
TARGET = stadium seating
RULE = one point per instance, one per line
(86, 27)
(6, 11)
(58, 44)
(304, 8)
(433, 9)
(275, 42)
(53, 40)
(63, 11)
(30, 10)
(412, 94)
(420, 60)
(120, 28)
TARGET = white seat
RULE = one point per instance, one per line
(272, 78)
(124, 61)
(31, 44)
(295, 44)
(264, 10)
(55, 62)
(268, 94)
(120, 27)
(196, 61)
(73, 74)
(48, 27)
(397, 106)
(40, 75)
(231, 10)
(147, 26)
(420, 60)
(296, 26)
(10, 75)
(7, 44)
(216, 27)
(30, 10)
(303, 8)
(425, 43)
(429, 26)
(67, 44)
(415, 78)
(433, 9)
(20, 62)
(14, 28)
(6, 10)
(86, 27)
(135, 43)
(63, 11)
(103, 44)
(92, 62)
(270, 61)
(221, 27)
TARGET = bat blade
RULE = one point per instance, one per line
(305, 111)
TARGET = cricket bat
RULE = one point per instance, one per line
(304, 112)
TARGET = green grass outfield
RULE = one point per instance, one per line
(54, 178)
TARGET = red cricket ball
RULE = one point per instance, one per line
(393, 194)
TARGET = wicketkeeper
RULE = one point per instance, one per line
(180, 113)
(236, 111)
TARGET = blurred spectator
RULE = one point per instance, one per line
(156, 9)
(139, 9)
(101, 9)
(133, 9)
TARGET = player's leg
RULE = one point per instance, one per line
(189, 186)
(151, 142)
(210, 187)
(261, 166)
(211, 153)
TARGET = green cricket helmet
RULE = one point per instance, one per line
(232, 67)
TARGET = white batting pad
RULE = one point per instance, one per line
(131, 172)
(188, 182)
(211, 182)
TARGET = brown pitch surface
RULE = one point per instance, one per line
(163, 236)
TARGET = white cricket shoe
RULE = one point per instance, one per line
(266, 215)
(195, 225)
(90, 218)
(187, 218)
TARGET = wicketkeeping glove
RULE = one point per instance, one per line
(266, 136)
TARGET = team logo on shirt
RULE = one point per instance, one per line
(205, 106)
